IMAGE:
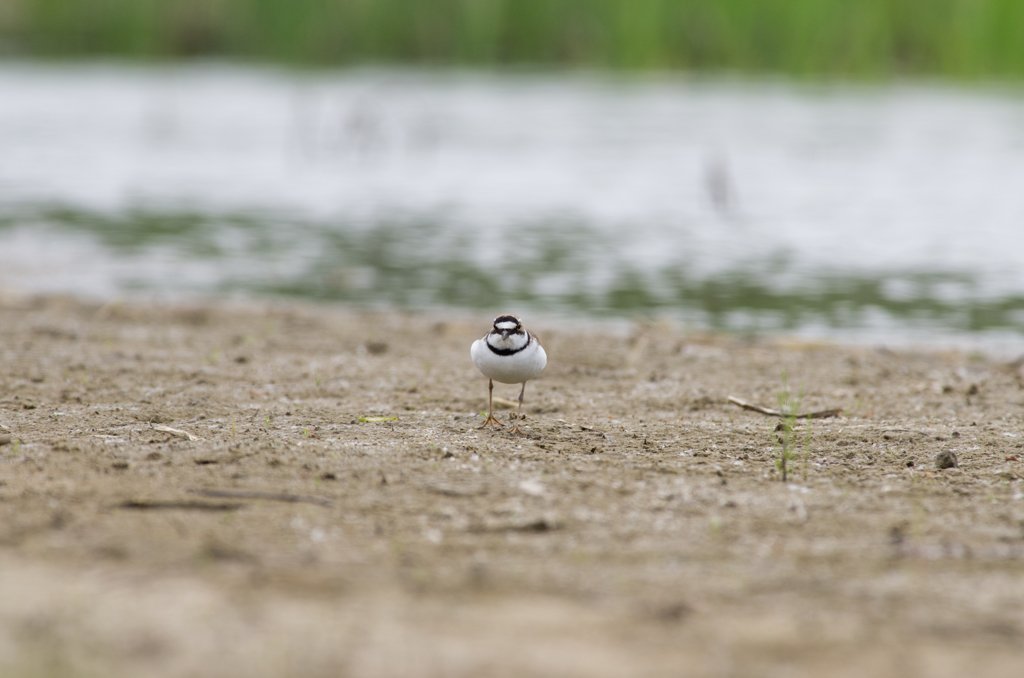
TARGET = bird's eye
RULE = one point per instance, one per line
(519, 326)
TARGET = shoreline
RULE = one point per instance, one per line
(997, 345)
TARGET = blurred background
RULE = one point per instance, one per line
(821, 168)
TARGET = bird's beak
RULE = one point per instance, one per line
(504, 334)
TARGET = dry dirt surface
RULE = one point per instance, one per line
(292, 490)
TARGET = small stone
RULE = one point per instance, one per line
(534, 488)
(5, 440)
(945, 460)
(896, 535)
(120, 464)
(672, 613)
(538, 525)
(376, 347)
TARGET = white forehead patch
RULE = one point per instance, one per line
(505, 325)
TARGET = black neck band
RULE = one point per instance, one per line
(507, 351)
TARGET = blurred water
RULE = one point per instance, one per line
(837, 210)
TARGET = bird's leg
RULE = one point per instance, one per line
(515, 427)
(491, 421)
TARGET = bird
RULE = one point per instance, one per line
(508, 354)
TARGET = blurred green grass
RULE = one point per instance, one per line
(851, 38)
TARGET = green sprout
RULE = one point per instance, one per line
(790, 406)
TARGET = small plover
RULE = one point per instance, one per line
(508, 354)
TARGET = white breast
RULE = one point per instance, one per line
(509, 369)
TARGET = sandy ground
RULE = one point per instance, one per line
(291, 490)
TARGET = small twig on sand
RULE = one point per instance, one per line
(174, 431)
(821, 414)
(907, 430)
(147, 505)
(269, 496)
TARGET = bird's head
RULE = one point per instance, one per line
(506, 325)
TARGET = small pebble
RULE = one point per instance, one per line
(945, 460)
(5, 440)
(376, 347)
